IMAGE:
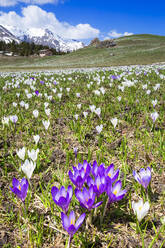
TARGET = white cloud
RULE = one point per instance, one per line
(106, 38)
(6, 3)
(127, 34)
(114, 34)
(35, 17)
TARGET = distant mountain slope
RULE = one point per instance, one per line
(45, 37)
(132, 50)
(7, 36)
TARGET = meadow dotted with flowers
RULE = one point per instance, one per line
(82, 155)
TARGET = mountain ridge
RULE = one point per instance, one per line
(39, 36)
(7, 36)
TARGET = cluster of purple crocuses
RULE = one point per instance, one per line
(91, 181)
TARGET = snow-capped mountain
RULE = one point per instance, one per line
(7, 36)
(45, 37)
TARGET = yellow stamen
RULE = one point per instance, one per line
(140, 208)
(72, 221)
(109, 174)
(19, 187)
(115, 192)
(98, 186)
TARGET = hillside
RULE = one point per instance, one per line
(135, 49)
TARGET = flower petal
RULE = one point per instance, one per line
(72, 218)
(65, 221)
(97, 204)
(116, 188)
(80, 221)
(71, 230)
(54, 191)
(70, 191)
(15, 182)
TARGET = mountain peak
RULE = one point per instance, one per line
(44, 36)
(7, 36)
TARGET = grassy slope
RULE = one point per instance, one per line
(135, 49)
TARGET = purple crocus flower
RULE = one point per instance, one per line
(69, 222)
(80, 174)
(114, 77)
(85, 166)
(62, 197)
(20, 188)
(37, 92)
(111, 174)
(144, 176)
(97, 169)
(42, 82)
(115, 193)
(99, 185)
(87, 198)
(75, 151)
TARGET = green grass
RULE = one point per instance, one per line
(132, 50)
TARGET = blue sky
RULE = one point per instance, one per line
(86, 19)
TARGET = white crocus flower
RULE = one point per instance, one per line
(97, 92)
(119, 98)
(29, 95)
(46, 104)
(85, 114)
(59, 95)
(5, 120)
(98, 111)
(26, 106)
(33, 154)
(140, 209)
(78, 94)
(36, 138)
(47, 112)
(121, 88)
(144, 86)
(28, 168)
(154, 116)
(46, 124)
(114, 122)
(14, 104)
(50, 98)
(79, 106)
(92, 108)
(22, 103)
(68, 89)
(148, 92)
(14, 118)
(35, 113)
(102, 90)
(154, 102)
(156, 87)
(54, 90)
(76, 117)
(99, 128)
(21, 153)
